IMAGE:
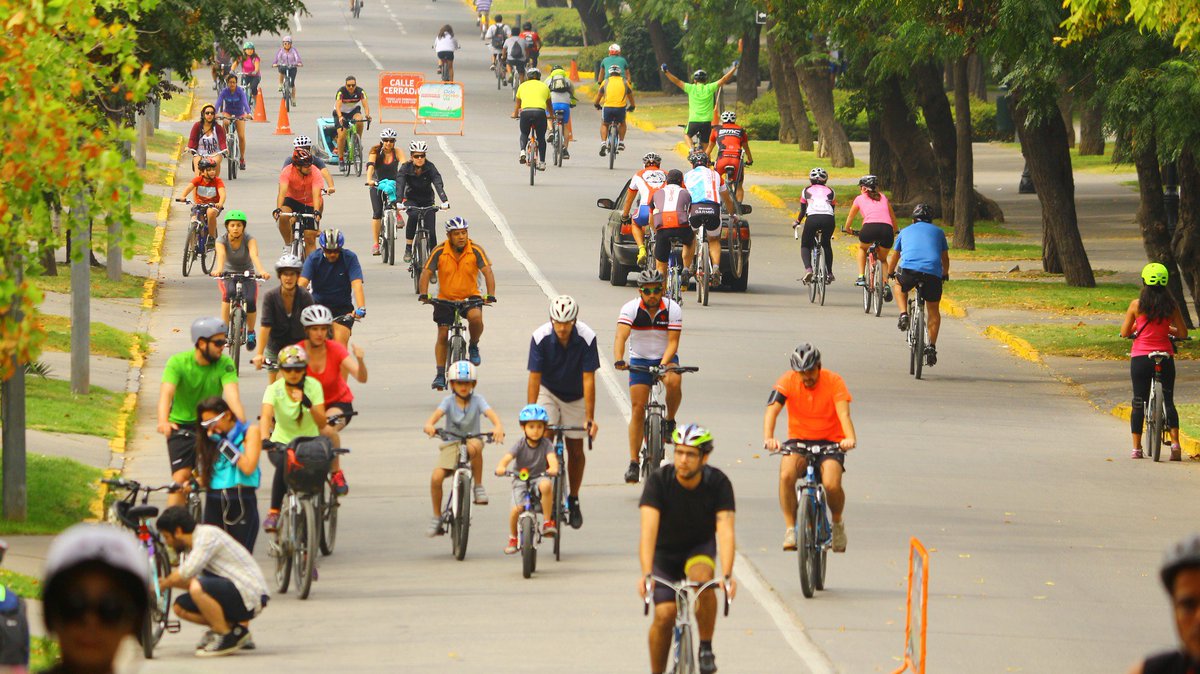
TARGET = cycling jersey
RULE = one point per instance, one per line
(347, 100)
(419, 187)
(458, 272)
(872, 210)
(533, 42)
(646, 182)
(671, 205)
(300, 186)
(194, 382)
(614, 92)
(533, 95)
(729, 139)
(233, 102)
(811, 411)
(649, 326)
(704, 184)
(701, 100)
(610, 61)
(332, 283)
(289, 58)
(817, 200)
(920, 246)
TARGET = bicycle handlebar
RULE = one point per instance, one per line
(659, 370)
(448, 436)
(135, 486)
(682, 586)
(529, 477)
(565, 429)
(804, 447)
(241, 274)
(461, 305)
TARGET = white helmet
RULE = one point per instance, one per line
(614, 48)
(301, 141)
(317, 314)
(728, 117)
(387, 134)
(463, 370)
(563, 309)
(418, 146)
(818, 174)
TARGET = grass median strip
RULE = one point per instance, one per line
(163, 141)
(60, 492)
(50, 406)
(1189, 419)
(1096, 342)
(130, 285)
(986, 251)
(105, 339)
(1105, 298)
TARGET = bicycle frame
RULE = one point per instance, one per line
(811, 493)
(457, 329)
(683, 643)
(675, 271)
(656, 409)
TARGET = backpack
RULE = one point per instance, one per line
(559, 84)
(517, 51)
(308, 463)
(14, 630)
(527, 38)
(498, 37)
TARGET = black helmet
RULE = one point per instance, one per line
(1183, 555)
(870, 182)
(698, 158)
(700, 76)
(922, 212)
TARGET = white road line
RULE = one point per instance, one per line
(395, 20)
(789, 625)
(363, 49)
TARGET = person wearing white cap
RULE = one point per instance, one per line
(94, 594)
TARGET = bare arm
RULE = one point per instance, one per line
(221, 197)
(234, 399)
(424, 281)
(843, 412)
(371, 159)
(267, 419)
(535, 385)
(727, 76)
(727, 547)
(892, 213)
(893, 260)
(166, 394)
(253, 450)
(220, 262)
(770, 417)
(280, 195)
(850, 217)
(945, 263)
(674, 80)
(497, 427)
(672, 346)
(503, 465)
(489, 280)
(650, 520)
(622, 336)
(589, 402)
(258, 266)
(552, 464)
(431, 423)
(357, 367)
(360, 295)
(319, 415)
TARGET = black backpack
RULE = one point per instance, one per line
(498, 37)
(308, 463)
(14, 631)
(517, 51)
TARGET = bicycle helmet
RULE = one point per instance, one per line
(614, 48)
(870, 182)
(248, 45)
(563, 309)
(533, 74)
(1183, 555)
(614, 70)
(818, 175)
(1155, 274)
(728, 117)
(700, 76)
(206, 163)
(301, 142)
(693, 435)
(387, 134)
(287, 39)
(207, 328)
(316, 314)
(652, 159)
(457, 222)
(293, 357)
(302, 158)
(698, 158)
(805, 358)
(649, 276)
(331, 239)
(923, 213)
(418, 146)
(235, 215)
(463, 370)
(288, 261)
(533, 413)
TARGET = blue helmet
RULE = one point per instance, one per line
(533, 413)
(457, 222)
(331, 239)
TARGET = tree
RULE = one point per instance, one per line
(594, 18)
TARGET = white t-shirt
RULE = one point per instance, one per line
(491, 33)
(445, 42)
(508, 46)
(649, 327)
(704, 184)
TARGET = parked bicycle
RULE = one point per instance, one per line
(237, 312)
(814, 533)
(456, 516)
(684, 644)
(561, 487)
(421, 245)
(352, 157)
(457, 340)
(820, 279)
(198, 245)
(655, 438)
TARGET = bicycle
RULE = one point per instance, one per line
(613, 143)
(557, 136)
(702, 267)
(289, 84)
(675, 285)
(561, 482)
(731, 184)
(237, 313)
(301, 223)
(197, 245)
(457, 513)
(531, 155)
(421, 245)
(234, 145)
(294, 545)
(529, 522)
(814, 533)
(684, 646)
(1155, 431)
(501, 80)
(352, 157)
(655, 437)
(137, 518)
(251, 94)
(387, 230)
(327, 499)
(816, 287)
(456, 340)
(875, 289)
(918, 331)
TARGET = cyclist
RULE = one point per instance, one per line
(816, 212)
(516, 55)
(305, 143)
(533, 43)
(818, 406)
(614, 58)
(1151, 320)
(251, 65)
(227, 455)
(293, 406)
(670, 207)
(562, 99)
(563, 359)
(642, 186)
(651, 326)
(879, 223)
(921, 255)
(416, 181)
(281, 309)
(299, 192)
(349, 105)
(534, 454)
(383, 163)
(444, 45)
(189, 377)
(687, 511)
(336, 281)
(287, 60)
(532, 107)
(222, 64)
(708, 191)
(330, 364)
(458, 263)
(731, 141)
(232, 101)
(613, 99)
(702, 97)
(462, 410)
(209, 189)
(496, 36)
(207, 140)
(482, 9)
(237, 252)
(1180, 575)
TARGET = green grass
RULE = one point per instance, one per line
(986, 251)
(664, 112)
(146, 203)
(1081, 340)
(140, 241)
(774, 158)
(179, 102)
(105, 339)
(1099, 163)
(130, 285)
(50, 406)
(1189, 419)
(60, 492)
(25, 586)
(43, 653)
(156, 173)
(1106, 298)
(163, 141)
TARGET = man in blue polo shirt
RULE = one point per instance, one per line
(334, 276)
(922, 256)
(563, 360)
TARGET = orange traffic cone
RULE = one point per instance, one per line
(574, 74)
(284, 128)
(260, 109)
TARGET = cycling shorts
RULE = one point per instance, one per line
(664, 237)
(446, 55)
(181, 447)
(840, 457)
(347, 117)
(931, 286)
(675, 566)
(443, 315)
(249, 291)
(565, 109)
(707, 215)
(738, 169)
(877, 232)
(703, 129)
(644, 378)
(642, 217)
(346, 408)
(343, 315)
(304, 209)
(614, 115)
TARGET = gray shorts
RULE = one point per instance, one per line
(521, 487)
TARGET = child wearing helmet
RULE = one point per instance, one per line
(532, 455)
(237, 253)
(210, 191)
(1153, 321)
(462, 410)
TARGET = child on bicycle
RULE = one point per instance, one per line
(462, 410)
(209, 189)
(534, 454)
(293, 407)
(237, 252)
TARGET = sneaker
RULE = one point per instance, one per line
(603, 149)
(511, 548)
(439, 382)
(1136, 453)
(541, 166)
(224, 644)
(931, 355)
(375, 250)
(480, 495)
(887, 293)
(242, 165)
(566, 155)
(492, 67)
(524, 158)
(861, 281)
(574, 515)
(339, 483)
(789, 539)
(829, 278)
(716, 279)
(708, 662)
(251, 341)
(620, 146)
(210, 244)
(549, 528)
(808, 276)
(1176, 453)
(631, 473)
(839, 536)
(435, 527)
(408, 253)
(209, 635)
(902, 322)
(271, 524)
(473, 354)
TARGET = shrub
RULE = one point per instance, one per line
(559, 27)
(983, 121)
(762, 125)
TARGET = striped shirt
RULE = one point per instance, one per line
(217, 553)
(649, 326)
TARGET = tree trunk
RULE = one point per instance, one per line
(1091, 129)
(748, 71)
(594, 20)
(978, 77)
(916, 176)
(818, 89)
(662, 53)
(882, 159)
(804, 130)
(1066, 106)
(964, 169)
(948, 75)
(1044, 143)
(783, 93)
(940, 125)
(1152, 219)
(1186, 242)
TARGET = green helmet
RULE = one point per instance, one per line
(235, 215)
(693, 435)
(1155, 274)
(248, 45)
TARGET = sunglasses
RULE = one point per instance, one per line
(110, 609)
(209, 112)
(389, 140)
(418, 156)
(213, 421)
(652, 290)
(219, 343)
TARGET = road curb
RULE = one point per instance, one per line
(1190, 445)
(766, 195)
(1019, 347)
(187, 111)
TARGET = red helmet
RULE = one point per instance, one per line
(302, 158)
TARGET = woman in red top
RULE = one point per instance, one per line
(329, 363)
(207, 138)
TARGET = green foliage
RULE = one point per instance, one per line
(634, 39)
(1168, 17)
(60, 494)
(558, 26)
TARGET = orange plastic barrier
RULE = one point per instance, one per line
(918, 610)
(284, 128)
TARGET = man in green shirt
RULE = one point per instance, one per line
(702, 101)
(614, 58)
(189, 377)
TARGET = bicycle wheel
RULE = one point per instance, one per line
(357, 155)
(306, 547)
(559, 514)
(919, 341)
(461, 528)
(160, 610)
(880, 286)
(821, 558)
(418, 259)
(822, 278)
(528, 548)
(911, 337)
(458, 349)
(806, 544)
(327, 509)
(208, 257)
(612, 146)
(231, 162)
(282, 549)
(189, 250)
(812, 285)
(1155, 420)
(685, 652)
(703, 279)
(654, 444)
(558, 146)
(531, 157)
(737, 249)
(868, 292)
(237, 332)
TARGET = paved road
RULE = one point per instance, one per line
(1044, 536)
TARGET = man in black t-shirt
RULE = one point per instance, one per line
(687, 516)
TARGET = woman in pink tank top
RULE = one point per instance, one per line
(879, 225)
(1152, 320)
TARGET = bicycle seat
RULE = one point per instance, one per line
(142, 512)
(1159, 354)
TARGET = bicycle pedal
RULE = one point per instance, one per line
(172, 626)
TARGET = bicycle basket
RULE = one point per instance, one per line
(308, 463)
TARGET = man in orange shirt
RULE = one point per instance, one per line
(818, 406)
